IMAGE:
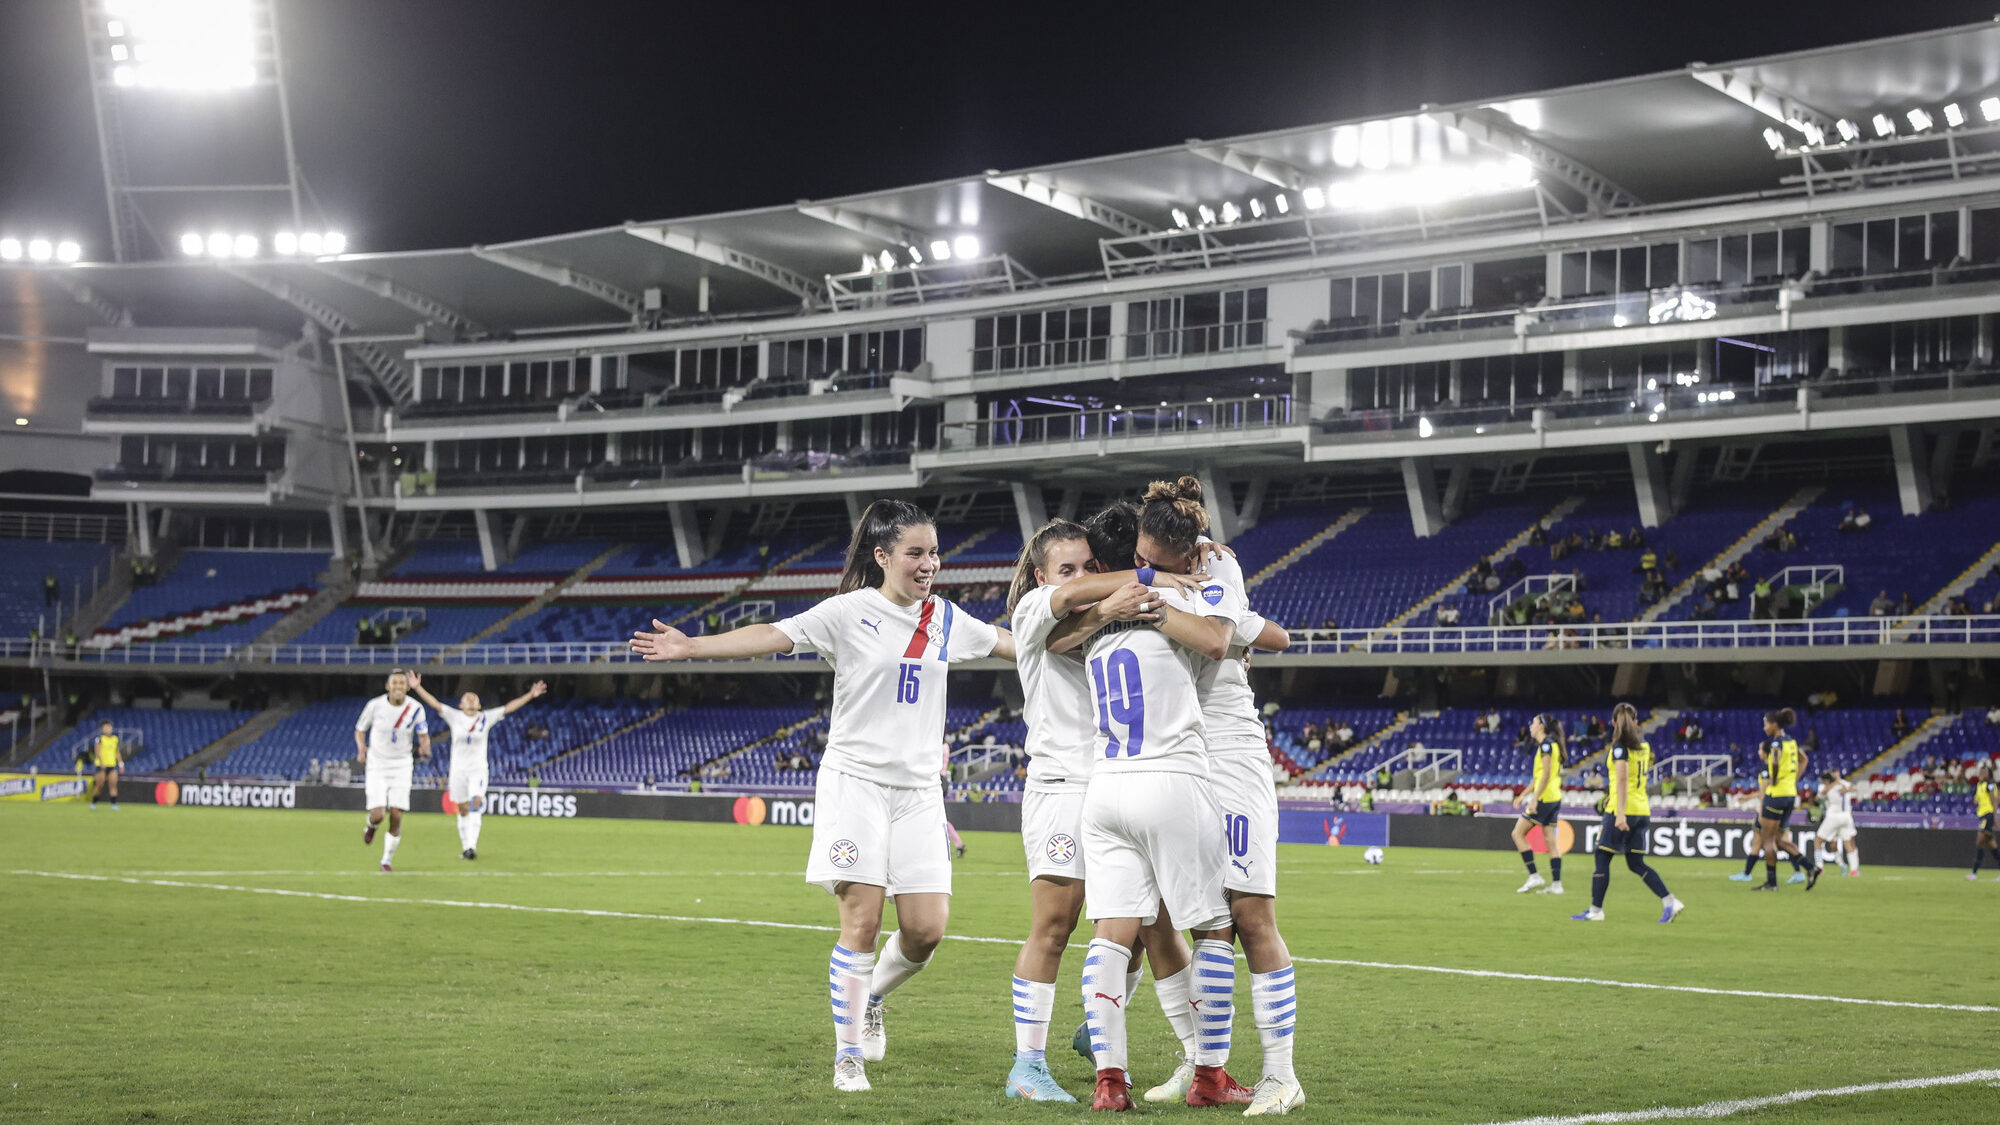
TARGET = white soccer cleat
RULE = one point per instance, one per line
(1551, 889)
(1276, 1096)
(849, 1077)
(1534, 881)
(1591, 915)
(1175, 1088)
(874, 1037)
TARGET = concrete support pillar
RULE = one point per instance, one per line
(1457, 483)
(1704, 361)
(688, 544)
(1944, 458)
(1071, 499)
(1649, 480)
(516, 535)
(1573, 371)
(782, 443)
(613, 448)
(1836, 347)
(489, 546)
(1913, 474)
(1818, 239)
(1682, 486)
(1029, 508)
(959, 429)
(1121, 320)
(336, 522)
(1220, 500)
(1253, 503)
(854, 508)
(142, 529)
(1420, 485)
(1324, 392)
(1982, 344)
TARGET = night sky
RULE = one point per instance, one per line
(450, 122)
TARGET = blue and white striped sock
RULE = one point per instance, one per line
(1214, 1000)
(1034, 1006)
(847, 983)
(1275, 1004)
(1104, 999)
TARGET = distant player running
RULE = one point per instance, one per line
(1985, 795)
(880, 827)
(1836, 828)
(1628, 813)
(470, 724)
(391, 726)
(107, 757)
(1788, 762)
(1541, 804)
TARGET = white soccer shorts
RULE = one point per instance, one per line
(1836, 829)
(466, 785)
(878, 835)
(1052, 833)
(388, 784)
(1153, 838)
(1242, 784)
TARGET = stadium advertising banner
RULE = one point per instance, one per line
(1335, 829)
(43, 787)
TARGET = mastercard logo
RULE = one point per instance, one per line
(167, 793)
(1565, 838)
(749, 810)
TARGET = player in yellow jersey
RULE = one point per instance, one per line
(1985, 795)
(1753, 840)
(1781, 795)
(106, 756)
(1628, 813)
(1541, 803)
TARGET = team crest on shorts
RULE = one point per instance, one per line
(1062, 848)
(843, 853)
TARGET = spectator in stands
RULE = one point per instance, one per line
(1636, 538)
(1881, 606)
(1822, 700)
(1810, 743)
(1447, 615)
(1760, 599)
(536, 730)
(1539, 535)
(1483, 570)
(1705, 609)
(1957, 607)
(1906, 605)
(1648, 561)
(1452, 806)
(1899, 728)
(1383, 778)
(51, 588)
(1672, 559)
(1344, 736)
(1856, 519)
(1515, 569)
(1993, 715)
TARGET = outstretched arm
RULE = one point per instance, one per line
(669, 643)
(525, 698)
(1273, 638)
(1096, 587)
(1004, 647)
(423, 693)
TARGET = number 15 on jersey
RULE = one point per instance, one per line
(907, 684)
(1121, 701)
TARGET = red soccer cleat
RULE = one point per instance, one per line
(368, 835)
(385, 867)
(1213, 1086)
(1112, 1087)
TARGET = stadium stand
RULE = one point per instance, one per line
(164, 737)
(216, 597)
(23, 603)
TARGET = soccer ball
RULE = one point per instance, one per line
(1372, 856)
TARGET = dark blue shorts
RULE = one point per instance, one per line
(1778, 809)
(1544, 813)
(1986, 823)
(1632, 841)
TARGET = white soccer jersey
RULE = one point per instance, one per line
(1058, 704)
(392, 730)
(1149, 716)
(1227, 703)
(889, 666)
(468, 735)
(1839, 800)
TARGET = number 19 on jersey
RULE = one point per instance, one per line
(1121, 701)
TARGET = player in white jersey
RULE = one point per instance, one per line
(1836, 828)
(391, 726)
(880, 827)
(1057, 707)
(470, 725)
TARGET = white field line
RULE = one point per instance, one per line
(1746, 1105)
(762, 924)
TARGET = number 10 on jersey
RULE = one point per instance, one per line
(1120, 700)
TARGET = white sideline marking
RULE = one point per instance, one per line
(794, 874)
(762, 924)
(1744, 1105)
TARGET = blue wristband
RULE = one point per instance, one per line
(1145, 575)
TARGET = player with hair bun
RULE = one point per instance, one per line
(881, 819)
(1787, 765)
(1628, 813)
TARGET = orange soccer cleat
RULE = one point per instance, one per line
(1213, 1086)
(1112, 1090)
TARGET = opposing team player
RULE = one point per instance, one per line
(1058, 708)
(1628, 813)
(881, 812)
(1985, 795)
(1787, 763)
(392, 725)
(1836, 828)
(108, 758)
(470, 724)
(1541, 803)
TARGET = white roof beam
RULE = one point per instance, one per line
(107, 310)
(390, 372)
(1274, 172)
(881, 229)
(1040, 190)
(1778, 107)
(562, 275)
(797, 284)
(1490, 128)
(423, 303)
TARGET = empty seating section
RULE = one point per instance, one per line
(759, 767)
(1495, 757)
(665, 748)
(1278, 532)
(443, 624)
(212, 579)
(23, 603)
(1295, 750)
(163, 738)
(322, 731)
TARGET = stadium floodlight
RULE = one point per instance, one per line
(68, 252)
(1849, 131)
(11, 250)
(867, 263)
(1919, 120)
(916, 255)
(310, 242)
(182, 44)
(1314, 198)
(1256, 208)
(1230, 212)
(1885, 126)
(1180, 218)
(1954, 116)
(245, 245)
(285, 242)
(1207, 216)
(334, 242)
(1424, 427)
(940, 250)
(1284, 205)
(965, 246)
(220, 245)
(1774, 138)
(1989, 108)
(887, 260)
(40, 250)
(1813, 133)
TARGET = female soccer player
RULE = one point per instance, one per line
(1545, 793)
(1985, 794)
(1836, 828)
(1787, 763)
(470, 724)
(1058, 709)
(881, 811)
(105, 754)
(1753, 842)
(1627, 815)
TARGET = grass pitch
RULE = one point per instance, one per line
(256, 967)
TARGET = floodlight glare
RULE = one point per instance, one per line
(1424, 427)
(887, 260)
(310, 243)
(1848, 130)
(1314, 198)
(1180, 218)
(1284, 205)
(1884, 127)
(285, 242)
(1953, 115)
(1919, 120)
(40, 250)
(1207, 216)
(965, 246)
(1775, 139)
(334, 242)
(1231, 213)
(1256, 208)
(68, 251)
(1989, 108)
(183, 44)
(191, 244)
(916, 256)
(940, 250)
(867, 264)
(10, 249)
(220, 245)
(245, 246)
(1813, 133)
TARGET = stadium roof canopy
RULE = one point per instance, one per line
(1659, 140)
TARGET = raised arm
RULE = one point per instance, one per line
(669, 643)
(525, 698)
(1096, 587)
(423, 693)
